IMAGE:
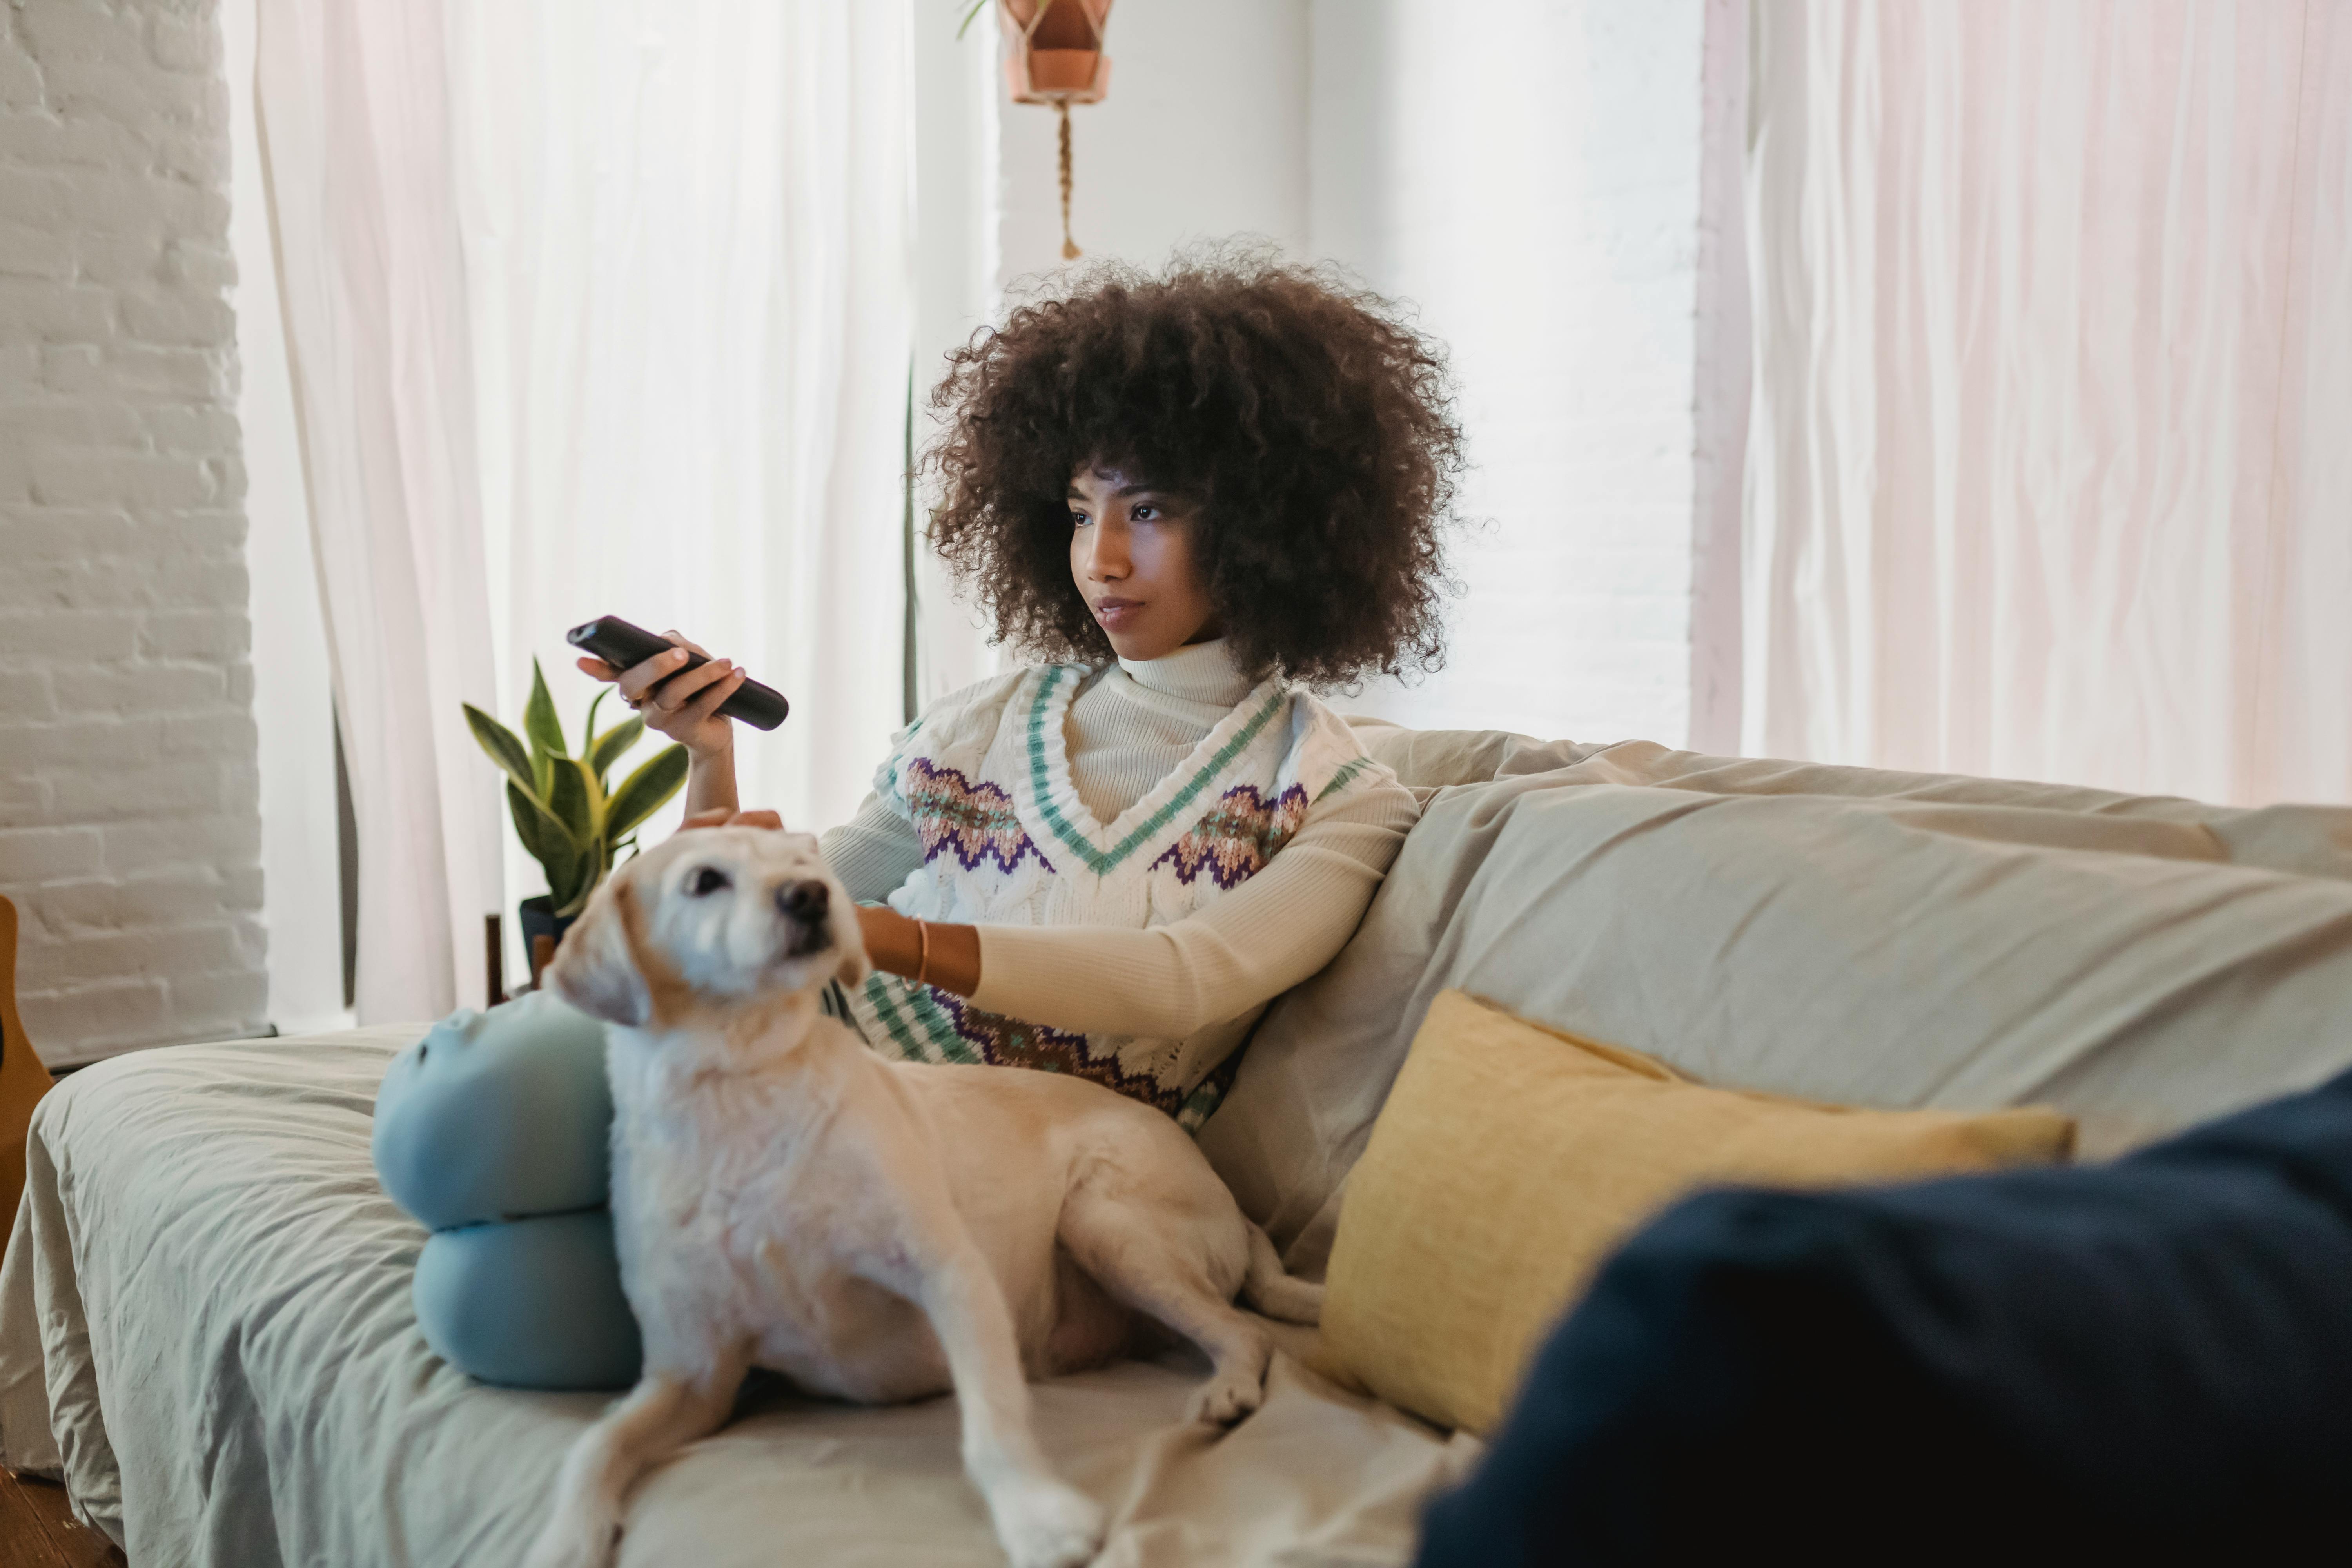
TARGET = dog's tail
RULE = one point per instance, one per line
(1274, 1292)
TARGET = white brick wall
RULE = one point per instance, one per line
(129, 832)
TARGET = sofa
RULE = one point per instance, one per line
(205, 1319)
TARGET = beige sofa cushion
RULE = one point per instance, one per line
(1839, 934)
(1426, 761)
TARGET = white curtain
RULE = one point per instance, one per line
(355, 136)
(600, 308)
(2050, 460)
(688, 233)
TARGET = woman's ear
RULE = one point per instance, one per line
(595, 968)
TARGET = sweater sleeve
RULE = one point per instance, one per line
(1241, 952)
(874, 852)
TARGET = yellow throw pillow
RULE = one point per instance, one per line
(1510, 1159)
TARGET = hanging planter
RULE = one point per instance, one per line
(1055, 50)
(1054, 54)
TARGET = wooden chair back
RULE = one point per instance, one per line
(22, 1078)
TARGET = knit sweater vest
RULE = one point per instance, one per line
(984, 778)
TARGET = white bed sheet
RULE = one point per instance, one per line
(205, 1329)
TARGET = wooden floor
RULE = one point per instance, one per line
(37, 1529)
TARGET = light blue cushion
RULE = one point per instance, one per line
(532, 1303)
(498, 1115)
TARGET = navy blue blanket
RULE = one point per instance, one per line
(2149, 1358)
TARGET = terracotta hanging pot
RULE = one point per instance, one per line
(1054, 54)
(1054, 50)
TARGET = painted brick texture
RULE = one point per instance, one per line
(130, 827)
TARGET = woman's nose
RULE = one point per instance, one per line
(1106, 559)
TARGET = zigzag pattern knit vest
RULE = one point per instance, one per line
(986, 780)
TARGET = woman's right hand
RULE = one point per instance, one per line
(682, 706)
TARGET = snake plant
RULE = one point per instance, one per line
(565, 814)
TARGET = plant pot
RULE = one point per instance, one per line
(540, 920)
(1055, 52)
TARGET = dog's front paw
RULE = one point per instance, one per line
(1226, 1398)
(572, 1541)
(1044, 1524)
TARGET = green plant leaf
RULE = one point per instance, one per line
(544, 838)
(976, 7)
(539, 719)
(588, 730)
(642, 792)
(613, 744)
(585, 873)
(528, 825)
(567, 864)
(503, 746)
(575, 799)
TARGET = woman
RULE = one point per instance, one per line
(1193, 495)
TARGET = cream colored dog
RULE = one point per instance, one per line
(876, 1230)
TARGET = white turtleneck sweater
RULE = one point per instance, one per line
(1127, 728)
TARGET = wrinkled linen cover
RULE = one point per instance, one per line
(1843, 934)
(205, 1327)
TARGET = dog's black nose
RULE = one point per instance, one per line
(803, 901)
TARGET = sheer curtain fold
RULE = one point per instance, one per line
(591, 309)
(353, 116)
(688, 241)
(2047, 475)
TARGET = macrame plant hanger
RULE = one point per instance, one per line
(1054, 54)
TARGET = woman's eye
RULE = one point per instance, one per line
(1079, 519)
(709, 879)
(1145, 514)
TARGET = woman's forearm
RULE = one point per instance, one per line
(1268, 934)
(1241, 951)
(898, 944)
(711, 781)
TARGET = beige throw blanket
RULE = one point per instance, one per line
(205, 1326)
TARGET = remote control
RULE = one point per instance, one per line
(624, 647)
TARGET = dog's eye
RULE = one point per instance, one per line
(709, 879)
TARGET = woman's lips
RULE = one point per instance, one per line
(1114, 614)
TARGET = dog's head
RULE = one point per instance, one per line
(714, 918)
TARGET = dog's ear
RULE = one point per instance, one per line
(854, 966)
(848, 938)
(595, 968)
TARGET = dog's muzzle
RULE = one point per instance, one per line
(804, 906)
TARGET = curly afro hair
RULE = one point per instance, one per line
(1311, 429)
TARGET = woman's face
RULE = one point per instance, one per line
(1131, 556)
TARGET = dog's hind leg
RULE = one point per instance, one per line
(1134, 1260)
(653, 1421)
(1275, 1291)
